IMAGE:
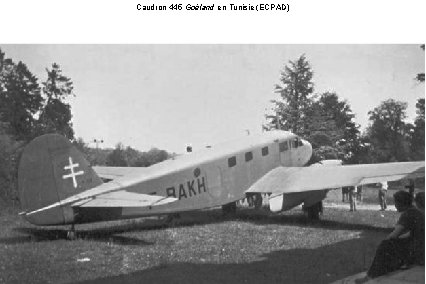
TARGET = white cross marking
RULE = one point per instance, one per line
(72, 175)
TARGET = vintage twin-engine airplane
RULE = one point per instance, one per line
(57, 185)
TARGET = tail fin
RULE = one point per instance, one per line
(50, 170)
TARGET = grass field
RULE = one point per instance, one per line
(202, 247)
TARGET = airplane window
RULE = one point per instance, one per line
(232, 161)
(265, 151)
(249, 156)
(294, 143)
(300, 142)
(283, 146)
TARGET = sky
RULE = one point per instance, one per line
(169, 96)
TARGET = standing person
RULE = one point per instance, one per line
(250, 198)
(344, 193)
(405, 245)
(352, 197)
(382, 195)
(410, 187)
(258, 200)
(359, 193)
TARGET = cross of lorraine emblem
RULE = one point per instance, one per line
(73, 174)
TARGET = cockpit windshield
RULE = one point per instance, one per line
(296, 142)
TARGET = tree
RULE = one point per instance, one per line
(151, 157)
(20, 98)
(290, 112)
(56, 114)
(362, 151)
(132, 156)
(418, 135)
(24, 113)
(80, 145)
(123, 156)
(10, 151)
(331, 124)
(95, 156)
(333, 117)
(421, 76)
(117, 158)
(388, 132)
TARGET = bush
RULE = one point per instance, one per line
(10, 151)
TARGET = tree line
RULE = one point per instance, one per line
(30, 108)
(327, 121)
(122, 156)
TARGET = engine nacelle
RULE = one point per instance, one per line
(287, 201)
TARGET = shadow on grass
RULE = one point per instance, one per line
(301, 220)
(42, 234)
(316, 265)
(110, 231)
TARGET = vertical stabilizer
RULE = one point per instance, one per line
(50, 170)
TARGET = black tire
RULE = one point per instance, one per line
(314, 211)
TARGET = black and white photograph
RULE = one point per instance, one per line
(212, 163)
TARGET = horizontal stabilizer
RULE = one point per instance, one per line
(112, 173)
(120, 198)
(125, 199)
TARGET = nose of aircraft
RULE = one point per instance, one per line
(307, 151)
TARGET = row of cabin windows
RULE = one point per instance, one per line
(248, 157)
(283, 146)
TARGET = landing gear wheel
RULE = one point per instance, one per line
(229, 209)
(314, 211)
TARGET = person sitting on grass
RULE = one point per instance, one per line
(405, 245)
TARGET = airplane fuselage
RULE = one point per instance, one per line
(211, 177)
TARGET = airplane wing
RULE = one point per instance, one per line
(299, 179)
